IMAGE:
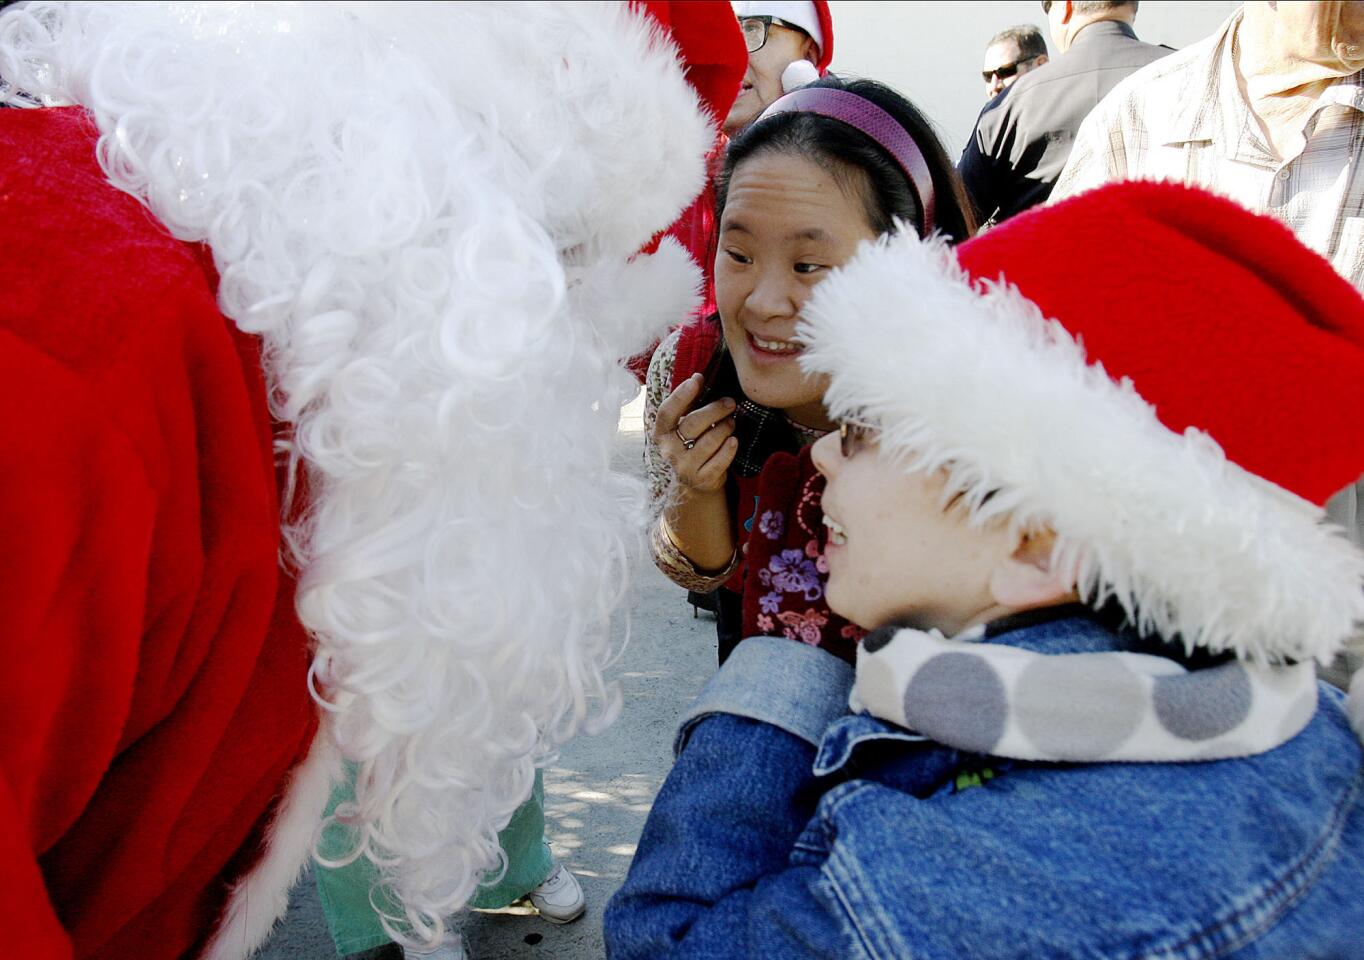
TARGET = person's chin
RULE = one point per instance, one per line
(767, 390)
(768, 384)
(745, 110)
(836, 608)
(833, 593)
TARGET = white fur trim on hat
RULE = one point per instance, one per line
(800, 12)
(406, 260)
(974, 380)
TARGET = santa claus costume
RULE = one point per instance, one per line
(367, 269)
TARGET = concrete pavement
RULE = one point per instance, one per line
(598, 793)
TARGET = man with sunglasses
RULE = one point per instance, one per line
(1024, 135)
(1010, 54)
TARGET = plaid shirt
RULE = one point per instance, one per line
(1184, 118)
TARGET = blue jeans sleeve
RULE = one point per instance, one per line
(713, 876)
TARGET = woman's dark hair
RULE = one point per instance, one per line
(842, 149)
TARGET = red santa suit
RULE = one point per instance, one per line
(164, 769)
(155, 696)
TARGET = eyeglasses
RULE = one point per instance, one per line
(1005, 70)
(852, 436)
(755, 30)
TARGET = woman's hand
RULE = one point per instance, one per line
(698, 444)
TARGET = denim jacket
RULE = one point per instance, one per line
(789, 828)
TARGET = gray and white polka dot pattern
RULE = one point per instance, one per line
(1205, 704)
(1083, 706)
(958, 695)
(1005, 701)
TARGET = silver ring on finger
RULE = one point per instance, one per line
(685, 442)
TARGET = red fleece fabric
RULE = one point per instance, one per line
(713, 53)
(154, 697)
(1279, 337)
(715, 57)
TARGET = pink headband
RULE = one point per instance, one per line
(863, 115)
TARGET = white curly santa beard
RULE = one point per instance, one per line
(391, 226)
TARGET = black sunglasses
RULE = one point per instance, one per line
(1005, 70)
(755, 30)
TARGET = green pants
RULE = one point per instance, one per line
(345, 891)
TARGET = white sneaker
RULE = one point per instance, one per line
(559, 899)
(451, 949)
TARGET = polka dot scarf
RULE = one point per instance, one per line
(1077, 707)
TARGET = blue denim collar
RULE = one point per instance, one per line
(1070, 628)
(847, 735)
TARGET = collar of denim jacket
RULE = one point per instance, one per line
(1072, 689)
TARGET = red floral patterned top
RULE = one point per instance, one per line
(778, 560)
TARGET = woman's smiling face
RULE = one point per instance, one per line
(787, 222)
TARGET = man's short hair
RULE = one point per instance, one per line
(1088, 8)
(1027, 38)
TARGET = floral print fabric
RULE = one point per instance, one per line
(784, 560)
(780, 535)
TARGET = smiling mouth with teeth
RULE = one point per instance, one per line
(775, 346)
(837, 536)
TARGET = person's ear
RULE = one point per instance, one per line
(1042, 58)
(810, 51)
(1025, 579)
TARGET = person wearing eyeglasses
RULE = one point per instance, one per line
(780, 37)
(1010, 54)
(256, 351)
(1021, 141)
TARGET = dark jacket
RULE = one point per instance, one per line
(1024, 135)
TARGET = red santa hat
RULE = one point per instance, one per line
(710, 48)
(1169, 382)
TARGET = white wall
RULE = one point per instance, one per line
(931, 50)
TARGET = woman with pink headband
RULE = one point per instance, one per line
(730, 415)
